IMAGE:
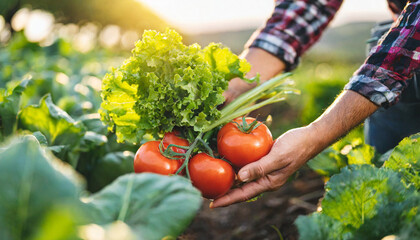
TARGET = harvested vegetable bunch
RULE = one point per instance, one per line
(166, 84)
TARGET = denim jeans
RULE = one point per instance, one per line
(387, 127)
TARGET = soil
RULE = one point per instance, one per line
(262, 218)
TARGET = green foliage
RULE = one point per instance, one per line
(166, 84)
(62, 85)
(110, 167)
(328, 163)
(39, 199)
(362, 188)
(349, 150)
(37, 202)
(411, 229)
(405, 159)
(318, 226)
(319, 96)
(366, 202)
(33, 185)
(153, 206)
(9, 107)
(362, 154)
(55, 124)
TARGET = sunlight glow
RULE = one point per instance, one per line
(196, 17)
(110, 35)
(209, 16)
(2, 23)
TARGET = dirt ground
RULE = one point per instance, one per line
(260, 219)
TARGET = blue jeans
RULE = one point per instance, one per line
(387, 127)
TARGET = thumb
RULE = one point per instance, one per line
(260, 168)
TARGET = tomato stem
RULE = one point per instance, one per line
(188, 155)
(209, 151)
(245, 127)
(169, 153)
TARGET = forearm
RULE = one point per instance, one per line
(262, 62)
(347, 111)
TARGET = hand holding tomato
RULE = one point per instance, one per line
(289, 152)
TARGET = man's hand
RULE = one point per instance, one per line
(289, 152)
(297, 146)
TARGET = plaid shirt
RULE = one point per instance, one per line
(297, 25)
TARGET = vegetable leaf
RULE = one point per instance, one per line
(354, 195)
(154, 206)
(405, 159)
(31, 185)
(328, 162)
(361, 154)
(110, 167)
(166, 84)
(9, 107)
(55, 124)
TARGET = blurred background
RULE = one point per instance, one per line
(67, 46)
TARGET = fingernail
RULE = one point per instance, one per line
(244, 176)
(211, 205)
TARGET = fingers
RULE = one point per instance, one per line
(252, 189)
(262, 167)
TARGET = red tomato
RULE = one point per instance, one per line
(173, 138)
(149, 159)
(243, 148)
(213, 177)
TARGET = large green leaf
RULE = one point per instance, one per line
(31, 184)
(50, 120)
(154, 206)
(405, 159)
(356, 193)
(56, 125)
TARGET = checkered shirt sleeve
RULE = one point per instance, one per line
(391, 63)
(293, 27)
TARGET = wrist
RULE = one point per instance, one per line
(263, 62)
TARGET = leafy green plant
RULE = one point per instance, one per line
(38, 188)
(367, 202)
(168, 86)
(52, 94)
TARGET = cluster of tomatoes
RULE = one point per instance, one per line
(239, 143)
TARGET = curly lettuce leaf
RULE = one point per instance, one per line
(166, 84)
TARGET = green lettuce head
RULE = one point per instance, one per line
(166, 84)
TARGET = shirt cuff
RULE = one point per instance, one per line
(278, 47)
(373, 90)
